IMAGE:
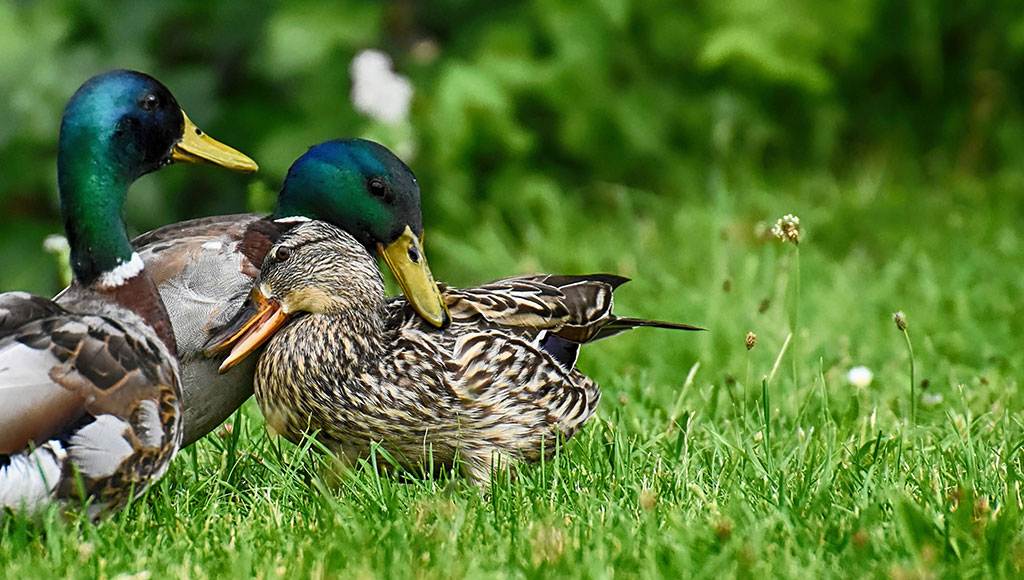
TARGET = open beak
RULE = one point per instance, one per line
(407, 261)
(198, 147)
(257, 322)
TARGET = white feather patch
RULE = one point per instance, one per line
(18, 295)
(214, 245)
(295, 219)
(99, 448)
(22, 366)
(123, 272)
(26, 390)
(28, 481)
(73, 326)
(151, 432)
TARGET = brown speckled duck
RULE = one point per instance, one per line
(497, 387)
(89, 390)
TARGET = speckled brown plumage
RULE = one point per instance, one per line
(498, 387)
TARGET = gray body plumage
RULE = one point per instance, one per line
(203, 280)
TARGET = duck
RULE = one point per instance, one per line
(205, 268)
(497, 388)
(90, 397)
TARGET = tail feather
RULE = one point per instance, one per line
(620, 325)
(560, 280)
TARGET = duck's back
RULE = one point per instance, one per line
(204, 269)
(507, 360)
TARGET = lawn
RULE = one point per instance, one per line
(706, 458)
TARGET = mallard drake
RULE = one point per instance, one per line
(497, 387)
(205, 268)
(89, 389)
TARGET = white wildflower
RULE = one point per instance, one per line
(377, 91)
(860, 376)
(56, 244)
(787, 228)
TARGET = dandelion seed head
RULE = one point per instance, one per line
(860, 376)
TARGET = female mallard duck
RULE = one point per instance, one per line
(498, 386)
(89, 393)
(205, 268)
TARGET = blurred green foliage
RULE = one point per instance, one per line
(521, 108)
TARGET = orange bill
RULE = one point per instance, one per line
(267, 316)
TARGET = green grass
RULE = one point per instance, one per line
(695, 465)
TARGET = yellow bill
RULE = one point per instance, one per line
(198, 147)
(407, 261)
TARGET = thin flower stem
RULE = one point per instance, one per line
(913, 395)
(795, 317)
(778, 359)
(765, 406)
(746, 386)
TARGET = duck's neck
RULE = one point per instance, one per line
(92, 193)
(347, 342)
(363, 335)
(93, 184)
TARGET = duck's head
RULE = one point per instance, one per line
(364, 189)
(131, 124)
(117, 127)
(315, 268)
(320, 269)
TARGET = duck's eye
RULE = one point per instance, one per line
(282, 254)
(377, 187)
(149, 102)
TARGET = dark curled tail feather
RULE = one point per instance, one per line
(559, 280)
(620, 325)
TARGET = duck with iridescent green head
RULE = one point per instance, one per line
(205, 268)
(90, 404)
